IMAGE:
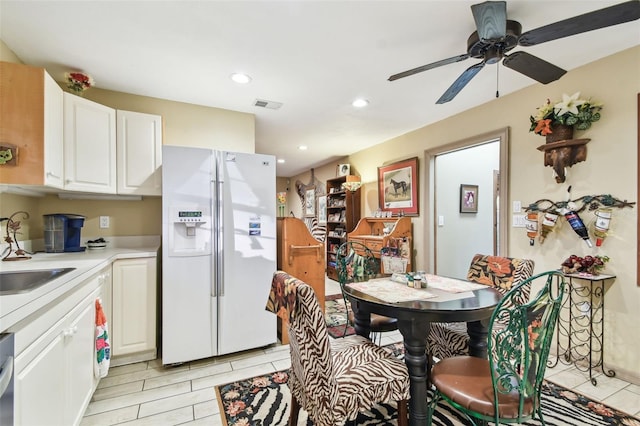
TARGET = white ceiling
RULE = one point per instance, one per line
(315, 57)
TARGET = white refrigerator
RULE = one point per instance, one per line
(218, 252)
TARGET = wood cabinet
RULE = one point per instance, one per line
(133, 308)
(139, 153)
(31, 111)
(89, 146)
(54, 374)
(301, 256)
(378, 233)
(343, 213)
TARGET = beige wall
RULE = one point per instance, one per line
(611, 168)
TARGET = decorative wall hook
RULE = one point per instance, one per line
(592, 202)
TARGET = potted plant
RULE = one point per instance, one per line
(557, 120)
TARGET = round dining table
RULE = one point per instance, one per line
(414, 319)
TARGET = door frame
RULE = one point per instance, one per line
(502, 136)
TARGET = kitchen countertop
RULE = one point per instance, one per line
(16, 307)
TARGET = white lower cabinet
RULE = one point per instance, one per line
(134, 307)
(54, 375)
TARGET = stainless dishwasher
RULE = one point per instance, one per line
(6, 379)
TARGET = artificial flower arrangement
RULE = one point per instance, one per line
(589, 264)
(78, 82)
(571, 111)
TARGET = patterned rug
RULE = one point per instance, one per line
(264, 400)
(335, 316)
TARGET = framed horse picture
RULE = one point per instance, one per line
(398, 187)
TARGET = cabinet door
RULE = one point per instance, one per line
(80, 353)
(139, 152)
(134, 306)
(89, 146)
(53, 131)
(30, 126)
(39, 387)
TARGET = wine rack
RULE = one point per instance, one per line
(580, 330)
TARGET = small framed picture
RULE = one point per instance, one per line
(322, 210)
(343, 170)
(468, 198)
(310, 202)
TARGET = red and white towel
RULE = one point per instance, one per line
(103, 346)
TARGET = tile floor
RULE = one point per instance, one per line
(147, 393)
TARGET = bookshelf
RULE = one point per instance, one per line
(343, 213)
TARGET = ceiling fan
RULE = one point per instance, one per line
(496, 35)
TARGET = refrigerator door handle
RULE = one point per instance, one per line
(220, 237)
(218, 199)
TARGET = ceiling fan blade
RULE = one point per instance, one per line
(491, 19)
(429, 66)
(533, 67)
(459, 84)
(607, 17)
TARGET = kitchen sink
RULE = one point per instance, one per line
(25, 281)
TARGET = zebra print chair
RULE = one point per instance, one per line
(333, 383)
(354, 263)
(506, 387)
(451, 339)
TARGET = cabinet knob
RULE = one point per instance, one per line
(70, 331)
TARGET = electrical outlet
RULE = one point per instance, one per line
(517, 206)
(519, 221)
(104, 222)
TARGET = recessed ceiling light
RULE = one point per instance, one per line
(302, 147)
(240, 78)
(359, 103)
(281, 160)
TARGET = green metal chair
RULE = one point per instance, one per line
(506, 388)
(355, 263)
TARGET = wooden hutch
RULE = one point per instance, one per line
(301, 256)
(377, 233)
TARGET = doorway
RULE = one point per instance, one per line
(454, 232)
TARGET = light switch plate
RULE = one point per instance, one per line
(519, 221)
(440, 220)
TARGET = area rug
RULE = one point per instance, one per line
(335, 316)
(264, 401)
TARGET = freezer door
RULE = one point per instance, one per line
(248, 252)
(188, 315)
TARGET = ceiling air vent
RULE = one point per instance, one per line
(267, 104)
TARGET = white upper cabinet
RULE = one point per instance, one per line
(89, 146)
(139, 152)
(53, 143)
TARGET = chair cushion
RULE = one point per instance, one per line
(447, 339)
(366, 374)
(466, 380)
